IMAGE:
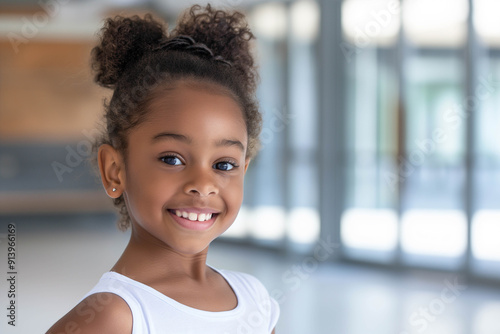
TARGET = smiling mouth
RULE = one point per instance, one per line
(193, 216)
(195, 221)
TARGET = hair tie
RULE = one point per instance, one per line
(187, 43)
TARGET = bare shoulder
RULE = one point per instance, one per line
(98, 313)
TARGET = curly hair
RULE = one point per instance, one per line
(138, 59)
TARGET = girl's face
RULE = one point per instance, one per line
(185, 167)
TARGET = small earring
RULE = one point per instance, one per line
(114, 189)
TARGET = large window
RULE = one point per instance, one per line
(485, 222)
(423, 163)
(369, 225)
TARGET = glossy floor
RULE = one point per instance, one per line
(58, 263)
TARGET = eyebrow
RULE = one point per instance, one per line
(229, 142)
(168, 135)
(179, 137)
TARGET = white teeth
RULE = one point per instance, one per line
(194, 216)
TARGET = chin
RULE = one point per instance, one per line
(190, 247)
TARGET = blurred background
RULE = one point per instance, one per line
(373, 207)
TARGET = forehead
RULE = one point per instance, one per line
(195, 107)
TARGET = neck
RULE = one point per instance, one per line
(147, 258)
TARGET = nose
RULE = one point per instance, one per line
(201, 183)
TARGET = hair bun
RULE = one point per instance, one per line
(226, 34)
(186, 43)
(123, 41)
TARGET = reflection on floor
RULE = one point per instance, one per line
(59, 262)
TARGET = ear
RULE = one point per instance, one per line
(112, 169)
(247, 162)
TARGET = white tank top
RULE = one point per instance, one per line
(155, 313)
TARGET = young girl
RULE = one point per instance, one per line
(181, 129)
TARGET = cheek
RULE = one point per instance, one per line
(233, 193)
(146, 192)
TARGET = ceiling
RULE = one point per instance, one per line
(168, 7)
(82, 18)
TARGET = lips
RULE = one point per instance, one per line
(193, 218)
